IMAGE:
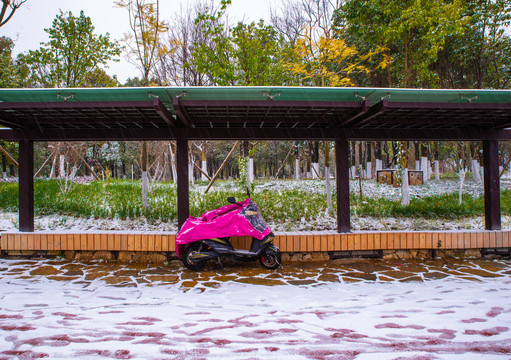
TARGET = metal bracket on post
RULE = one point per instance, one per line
(385, 97)
(363, 98)
(66, 98)
(469, 100)
(270, 96)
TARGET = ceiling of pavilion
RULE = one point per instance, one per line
(253, 107)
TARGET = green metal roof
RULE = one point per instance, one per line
(166, 94)
(254, 107)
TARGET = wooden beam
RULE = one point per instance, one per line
(182, 113)
(163, 112)
(491, 185)
(366, 105)
(272, 134)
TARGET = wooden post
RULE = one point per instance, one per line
(491, 185)
(26, 186)
(85, 163)
(11, 159)
(44, 164)
(183, 201)
(284, 162)
(342, 152)
(222, 166)
(204, 174)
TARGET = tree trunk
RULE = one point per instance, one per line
(405, 189)
(4, 166)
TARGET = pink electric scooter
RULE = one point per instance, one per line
(208, 237)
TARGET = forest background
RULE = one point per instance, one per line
(434, 44)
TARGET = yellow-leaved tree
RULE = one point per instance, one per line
(329, 61)
(143, 50)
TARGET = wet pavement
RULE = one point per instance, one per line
(298, 273)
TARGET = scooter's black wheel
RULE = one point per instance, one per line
(270, 258)
(189, 262)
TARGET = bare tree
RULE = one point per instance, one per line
(9, 7)
(143, 45)
(173, 66)
(289, 19)
(311, 18)
(143, 42)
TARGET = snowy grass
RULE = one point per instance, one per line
(286, 204)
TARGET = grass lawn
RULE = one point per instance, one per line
(279, 201)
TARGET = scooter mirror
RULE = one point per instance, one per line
(231, 200)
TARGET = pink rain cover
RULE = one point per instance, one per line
(222, 222)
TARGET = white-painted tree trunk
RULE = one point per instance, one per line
(173, 163)
(54, 163)
(205, 169)
(353, 172)
(369, 170)
(405, 189)
(297, 169)
(475, 171)
(145, 185)
(250, 171)
(328, 190)
(417, 165)
(461, 175)
(378, 165)
(437, 170)
(62, 166)
(424, 168)
(190, 173)
(315, 170)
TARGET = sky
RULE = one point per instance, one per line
(27, 26)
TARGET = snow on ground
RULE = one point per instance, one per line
(189, 316)
(374, 190)
(322, 221)
(9, 222)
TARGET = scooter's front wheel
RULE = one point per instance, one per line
(188, 258)
(271, 258)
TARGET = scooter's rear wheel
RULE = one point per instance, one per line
(270, 258)
(189, 261)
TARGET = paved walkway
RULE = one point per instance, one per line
(344, 309)
(305, 273)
